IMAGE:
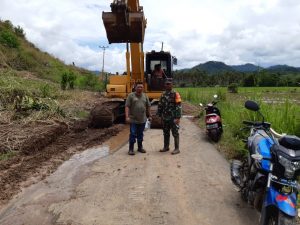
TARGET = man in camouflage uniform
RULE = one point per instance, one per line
(169, 109)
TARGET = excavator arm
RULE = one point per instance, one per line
(126, 23)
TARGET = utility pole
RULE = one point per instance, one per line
(103, 48)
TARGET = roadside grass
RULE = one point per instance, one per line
(6, 156)
(15, 90)
(280, 106)
(30, 83)
(29, 99)
(25, 98)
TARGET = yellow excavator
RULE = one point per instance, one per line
(126, 23)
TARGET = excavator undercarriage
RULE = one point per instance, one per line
(107, 113)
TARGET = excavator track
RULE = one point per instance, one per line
(107, 113)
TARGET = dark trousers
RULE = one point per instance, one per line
(136, 132)
(170, 125)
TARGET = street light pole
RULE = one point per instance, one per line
(103, 48)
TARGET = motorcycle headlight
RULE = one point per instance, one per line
(290, 167)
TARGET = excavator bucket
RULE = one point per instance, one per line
(123, 26)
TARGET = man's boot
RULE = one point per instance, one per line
(166, 144)
(176, 142)
(140, 147)
(131, 151)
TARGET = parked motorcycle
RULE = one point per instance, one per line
(267, 178)
(213, 122)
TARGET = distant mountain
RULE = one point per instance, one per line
(246, 68)
(96, 72)
(283, 69)
(213, 67)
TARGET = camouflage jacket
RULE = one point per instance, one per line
(169, 105)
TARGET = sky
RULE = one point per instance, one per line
(262, 32)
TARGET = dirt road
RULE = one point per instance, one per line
(95, 187)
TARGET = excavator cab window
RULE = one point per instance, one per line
(158, 68)
(163, 64)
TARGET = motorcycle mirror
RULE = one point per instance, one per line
(251, 105)
(257, 157)
(215, 96)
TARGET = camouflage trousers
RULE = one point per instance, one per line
(170, 125)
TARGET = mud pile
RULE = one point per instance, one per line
(40, 148)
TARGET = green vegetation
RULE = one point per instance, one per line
(16, 53)
(280, 105)
(26, 96)
(213, 74)
(31, 83)
(67, 80)
(7, 155)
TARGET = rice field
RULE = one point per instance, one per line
(280, 106)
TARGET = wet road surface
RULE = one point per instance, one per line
(96, 187)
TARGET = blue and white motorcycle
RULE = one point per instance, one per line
(267, 178)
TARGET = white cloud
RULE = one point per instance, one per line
(233, 31)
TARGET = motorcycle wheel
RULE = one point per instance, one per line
(214, 134)
(279, 218)
(284, 219)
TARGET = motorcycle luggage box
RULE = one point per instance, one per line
(290, 142)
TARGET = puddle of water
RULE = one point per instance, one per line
(65, 174)
(58, 187)
(279, 101)
(87, 156)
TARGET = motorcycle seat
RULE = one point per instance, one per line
(290, 142)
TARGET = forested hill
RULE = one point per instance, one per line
(218, 73)
(215, 67)
(18, 54)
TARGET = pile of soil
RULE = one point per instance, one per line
(42, 148)
(30, 137)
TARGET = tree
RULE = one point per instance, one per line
(249, 81)
(9, 39)
(19, 31)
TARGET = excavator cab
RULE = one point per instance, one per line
(164, 60)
